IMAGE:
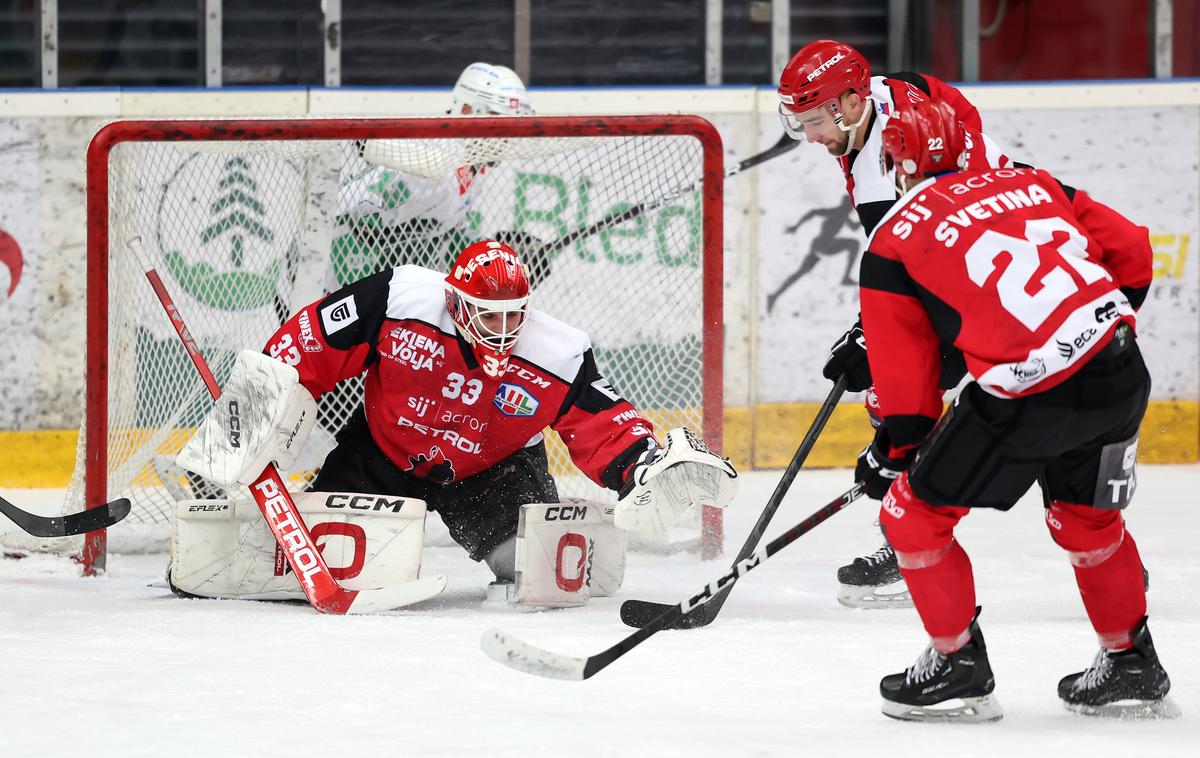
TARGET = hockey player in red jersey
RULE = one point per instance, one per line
(462, 378)
(828, 96)
(1038, 285)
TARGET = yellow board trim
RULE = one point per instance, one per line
(765, 438)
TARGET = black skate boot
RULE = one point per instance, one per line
(873, 581)
(1122, 683)
(955, 687)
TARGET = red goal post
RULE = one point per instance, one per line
(162, 180)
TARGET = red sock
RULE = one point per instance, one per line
(1114, 594)
(944, 595)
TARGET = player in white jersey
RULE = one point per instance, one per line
(828, 96)
(401, 211)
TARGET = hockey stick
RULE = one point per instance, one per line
(522, 656)
(638, 613)
(273, 499)
(100, 517)
(784, 144)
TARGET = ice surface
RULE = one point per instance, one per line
(116, 666)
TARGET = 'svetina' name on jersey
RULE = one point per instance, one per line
(914, 213)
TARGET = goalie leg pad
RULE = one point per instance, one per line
(566, 554)
(224, 548)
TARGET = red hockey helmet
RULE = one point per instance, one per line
(822, 71)
(487, 294)
(922, 138)
(816, 77)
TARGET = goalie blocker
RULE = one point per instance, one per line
(224, 549)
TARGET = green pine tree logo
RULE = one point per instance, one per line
(237, 219)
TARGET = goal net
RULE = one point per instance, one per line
(618, 220)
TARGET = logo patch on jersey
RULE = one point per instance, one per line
(308, 343)
(515, 400)
(1029, 371)
(339, 314)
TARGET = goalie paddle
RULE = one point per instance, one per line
(285, 522)
(100, 517)
(530, 659)
(638, 613)
(783, 145)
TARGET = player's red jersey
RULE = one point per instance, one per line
(431, 408)
(1026, 277)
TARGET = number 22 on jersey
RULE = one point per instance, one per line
(1032, 308)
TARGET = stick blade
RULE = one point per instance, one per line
(391, 598)
(519, 655)
(92, 519)
(639, 613)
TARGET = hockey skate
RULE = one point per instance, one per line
(1129, 684)
(873, 581)
(951, 688)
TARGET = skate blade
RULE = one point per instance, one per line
(875, 597)
(1132, 710)
(968, 710)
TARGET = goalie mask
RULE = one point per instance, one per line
(490, 90)
(812, 84)
(923, 138)
(487, 294)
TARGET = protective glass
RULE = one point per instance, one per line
(800, 126)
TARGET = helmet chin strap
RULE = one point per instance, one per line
(853, 128)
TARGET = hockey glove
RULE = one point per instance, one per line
(878, 466)
(849, 356)
(669, 480)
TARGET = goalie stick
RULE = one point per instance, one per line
(100, 517)
(638, 613)
(783, 145)
(522, 656)
(271, 495)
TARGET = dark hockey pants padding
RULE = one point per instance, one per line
(480, 511)
(1109, 399)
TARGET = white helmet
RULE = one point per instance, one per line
(488, 88)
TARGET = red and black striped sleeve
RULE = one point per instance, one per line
(903, 348)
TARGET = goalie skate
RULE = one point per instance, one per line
(1125, 684)
(873, 581)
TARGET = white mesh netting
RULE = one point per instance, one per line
(244, 233)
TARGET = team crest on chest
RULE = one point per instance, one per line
(515, 400)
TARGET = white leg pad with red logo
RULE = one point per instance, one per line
(567, 553)
(224, 549)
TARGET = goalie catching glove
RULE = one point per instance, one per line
(264, 415)
(670, 479)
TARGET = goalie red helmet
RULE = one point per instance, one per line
(923, 138)
(487, 293)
